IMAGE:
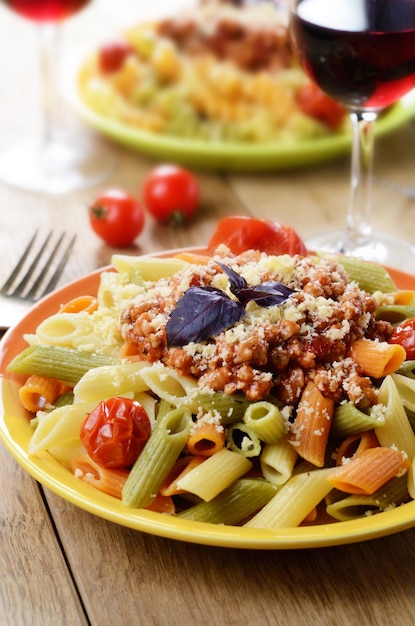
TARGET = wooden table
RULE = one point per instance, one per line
(61, 565)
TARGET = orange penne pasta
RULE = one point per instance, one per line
(182, 467)
(369, 471)
(377, 358)
(110, 481)
(312, 425)
(87, 304)
(128, 351)
(355, 445)
(38, 391)
(193, 257)
(205, 439)
(406, 296)
(162, 504)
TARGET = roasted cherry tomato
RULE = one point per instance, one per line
(404, 335)
(112, 55)
(117, 218)
(115, 432)
(240, 233)
(315, 103)
(171, 193)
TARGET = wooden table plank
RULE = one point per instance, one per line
(36, 587)
(134, 578)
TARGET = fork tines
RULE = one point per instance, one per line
(39, 268)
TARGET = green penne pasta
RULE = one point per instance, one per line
(395, 313)
(369, 276)
(407, 369)
(236, 503)
(231, 407)
(349, 420)
(157, 458)
(394, 493)
(265, 420)
(242, 439)
(56, 362)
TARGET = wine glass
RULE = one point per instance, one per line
(362, 54)
(55, 163)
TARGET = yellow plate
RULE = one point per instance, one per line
(231, 156)
(15, 432)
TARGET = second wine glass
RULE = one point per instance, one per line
(57, 162)
(362, 54)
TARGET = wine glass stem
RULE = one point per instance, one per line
(48, 46)
(359, 224)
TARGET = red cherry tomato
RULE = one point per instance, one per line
(115, 432)
(112, 55)
(315, 103)
(404, 335)
(117, 218)
(240, 233)
(171, 193)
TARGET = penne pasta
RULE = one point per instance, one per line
(349, 420)
(114, 379)
(369, 471)
(215, 474)
(377, 359)
(157, 458)
(234, 504)
(397, 430)
(40, 391)
(266, 421)
(277, 461)
(312, 425)
(206, 437)
(294, 501)
(394, 493)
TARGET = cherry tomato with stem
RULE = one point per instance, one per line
(171, 193)
(404, 335)
(115, 432)
(240, 233)
(117, 217)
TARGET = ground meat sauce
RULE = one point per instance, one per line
(274, 350)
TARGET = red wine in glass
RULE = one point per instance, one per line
(362, 54)
(46, 10)
(57, 162)
(362, 58)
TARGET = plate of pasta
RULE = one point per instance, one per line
(218, 89)
(231, 457)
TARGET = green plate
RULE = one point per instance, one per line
(232, 156)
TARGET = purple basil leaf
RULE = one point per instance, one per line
(270, 293)
(201, 313)
(236, 281)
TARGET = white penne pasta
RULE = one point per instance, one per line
(113, 379)
(64, 329)
(277, 461)
(294, 501)
(147, 267)
(411, 480)
(212, 476)
(406, 390)
(167, 384)
(60, 426)
(397, 430)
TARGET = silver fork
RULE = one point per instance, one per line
(35, 274)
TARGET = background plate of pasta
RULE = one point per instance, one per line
(221, 431)
(215, 88)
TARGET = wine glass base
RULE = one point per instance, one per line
(382, 248)
(56, 168)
